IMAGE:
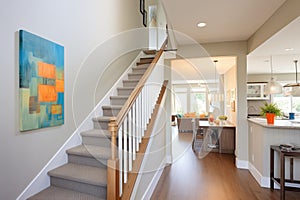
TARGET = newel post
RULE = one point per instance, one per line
(113, 164)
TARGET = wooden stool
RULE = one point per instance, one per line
(291, 154)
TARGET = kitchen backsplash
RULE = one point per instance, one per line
(254, 106)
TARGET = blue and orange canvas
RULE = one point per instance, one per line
(41, 82)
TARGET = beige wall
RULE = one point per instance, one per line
(266, 77)
(230, 85)
(80, 26)
(238, 49)
(282, 17)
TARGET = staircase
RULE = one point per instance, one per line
(84, 177)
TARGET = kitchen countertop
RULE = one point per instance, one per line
(284, 124)
(206, 124)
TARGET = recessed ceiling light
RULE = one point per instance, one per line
(201, 24)
(289, 49)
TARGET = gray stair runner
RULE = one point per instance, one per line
(84, 176)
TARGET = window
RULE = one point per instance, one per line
(189, 98)
(198, 100)
(287, 104)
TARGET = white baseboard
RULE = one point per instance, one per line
(169, 159)
(42, 180)
(241, 164)
(263, 181)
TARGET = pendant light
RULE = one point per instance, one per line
(293, 89)
(273, 87)
(216, 96)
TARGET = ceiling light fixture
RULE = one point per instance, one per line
(201, 24)
(293, 89)
(216, 95)
(289, 49)
(273, 87)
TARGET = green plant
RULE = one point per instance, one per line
(222, 117)
(270, 108)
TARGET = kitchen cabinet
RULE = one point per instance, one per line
(256, 91)
(217, 138)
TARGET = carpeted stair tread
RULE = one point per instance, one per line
(119, 100)
(81, 173)
(136, 73)
(112, 107)
(119, 97)
(141, 67)
(57, 193)
(125, 88)
(149, 51)
(102, 118)
(131, 80)
(147, 58)
(97, 152)
(144, 61)
(96, 133)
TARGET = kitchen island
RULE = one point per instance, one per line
(216, 137)
(260, 137)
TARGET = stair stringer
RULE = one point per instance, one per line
(42, 180)
(147, 179)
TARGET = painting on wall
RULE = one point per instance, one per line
(41, 82)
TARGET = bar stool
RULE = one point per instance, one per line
(283, 154)
(197, 135)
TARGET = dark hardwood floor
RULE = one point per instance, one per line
(214, 177)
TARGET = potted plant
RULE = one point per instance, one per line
(270, 111)
(222, 119)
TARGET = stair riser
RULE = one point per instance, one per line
(124, 92)
(134, 76)
(146, 59)
(144, 62)
(130, 83)
(111, 112)
(138, 70)
(82, 160)
(103, 142)
(150, 52)
(117, 102)
(80, 187)
(100, 125)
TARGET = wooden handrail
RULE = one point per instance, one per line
(135, 93)
(114, 125)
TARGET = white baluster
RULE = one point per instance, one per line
(147, 106)
(134, 130)
(130, 140)
(141, 118)
(120, 148)
(125, 149)
(138, 130)
(143, 111)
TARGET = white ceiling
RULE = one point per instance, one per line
(227, 20)
(237, 20)
(201, 69)
(275, 47)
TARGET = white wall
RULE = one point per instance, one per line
(80, 26)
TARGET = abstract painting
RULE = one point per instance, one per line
(41, 82)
